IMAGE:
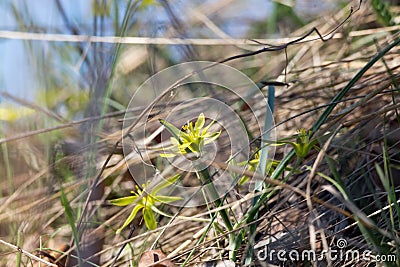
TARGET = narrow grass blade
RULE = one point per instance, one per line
(262, 165)
(71, 221)
(322, 119)
(317, 125)
(164, 184)
(268, 124)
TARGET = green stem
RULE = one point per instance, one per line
(206, 180)
(252, 215)
(203, 236)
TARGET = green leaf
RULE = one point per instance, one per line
(164, 184)
(130, 218)
(313, 142)
(199, 123)
(213, 137)
(185, 136)
(185, 145)
(331, 180)
(123, 201)
(69, 213)
(70, 217)
(205, 130)
(194, 149)
(166, 199)
(149, 219)
(382, 10)
(243, 180)
(268, 124)
(171, 128)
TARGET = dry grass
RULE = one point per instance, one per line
(365, 122)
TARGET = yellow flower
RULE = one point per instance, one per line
(12, 114)
(146, 202)
(303, 144)
(191, 139)
(252, 165)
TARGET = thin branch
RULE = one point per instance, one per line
(33, 106)
(30, 255)
(300, 40)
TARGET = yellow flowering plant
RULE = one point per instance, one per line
(302, 146)
(252, 165)
(191, 139)
(146, 202)
(12, 114)
(303, 143)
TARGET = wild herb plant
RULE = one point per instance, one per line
(146, 201)
(192, 139)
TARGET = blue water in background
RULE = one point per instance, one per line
(18, 68)
(17, 73)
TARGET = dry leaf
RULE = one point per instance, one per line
(53, 256)
(151, 257)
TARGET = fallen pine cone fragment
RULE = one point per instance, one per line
(155, 258)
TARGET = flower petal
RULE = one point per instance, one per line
(166, 199)
(213, 137)
(149, 219)
(123, 201)
(164, 184)
(130, 218)
(199, 123)
(185, 145)
(205, 130)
